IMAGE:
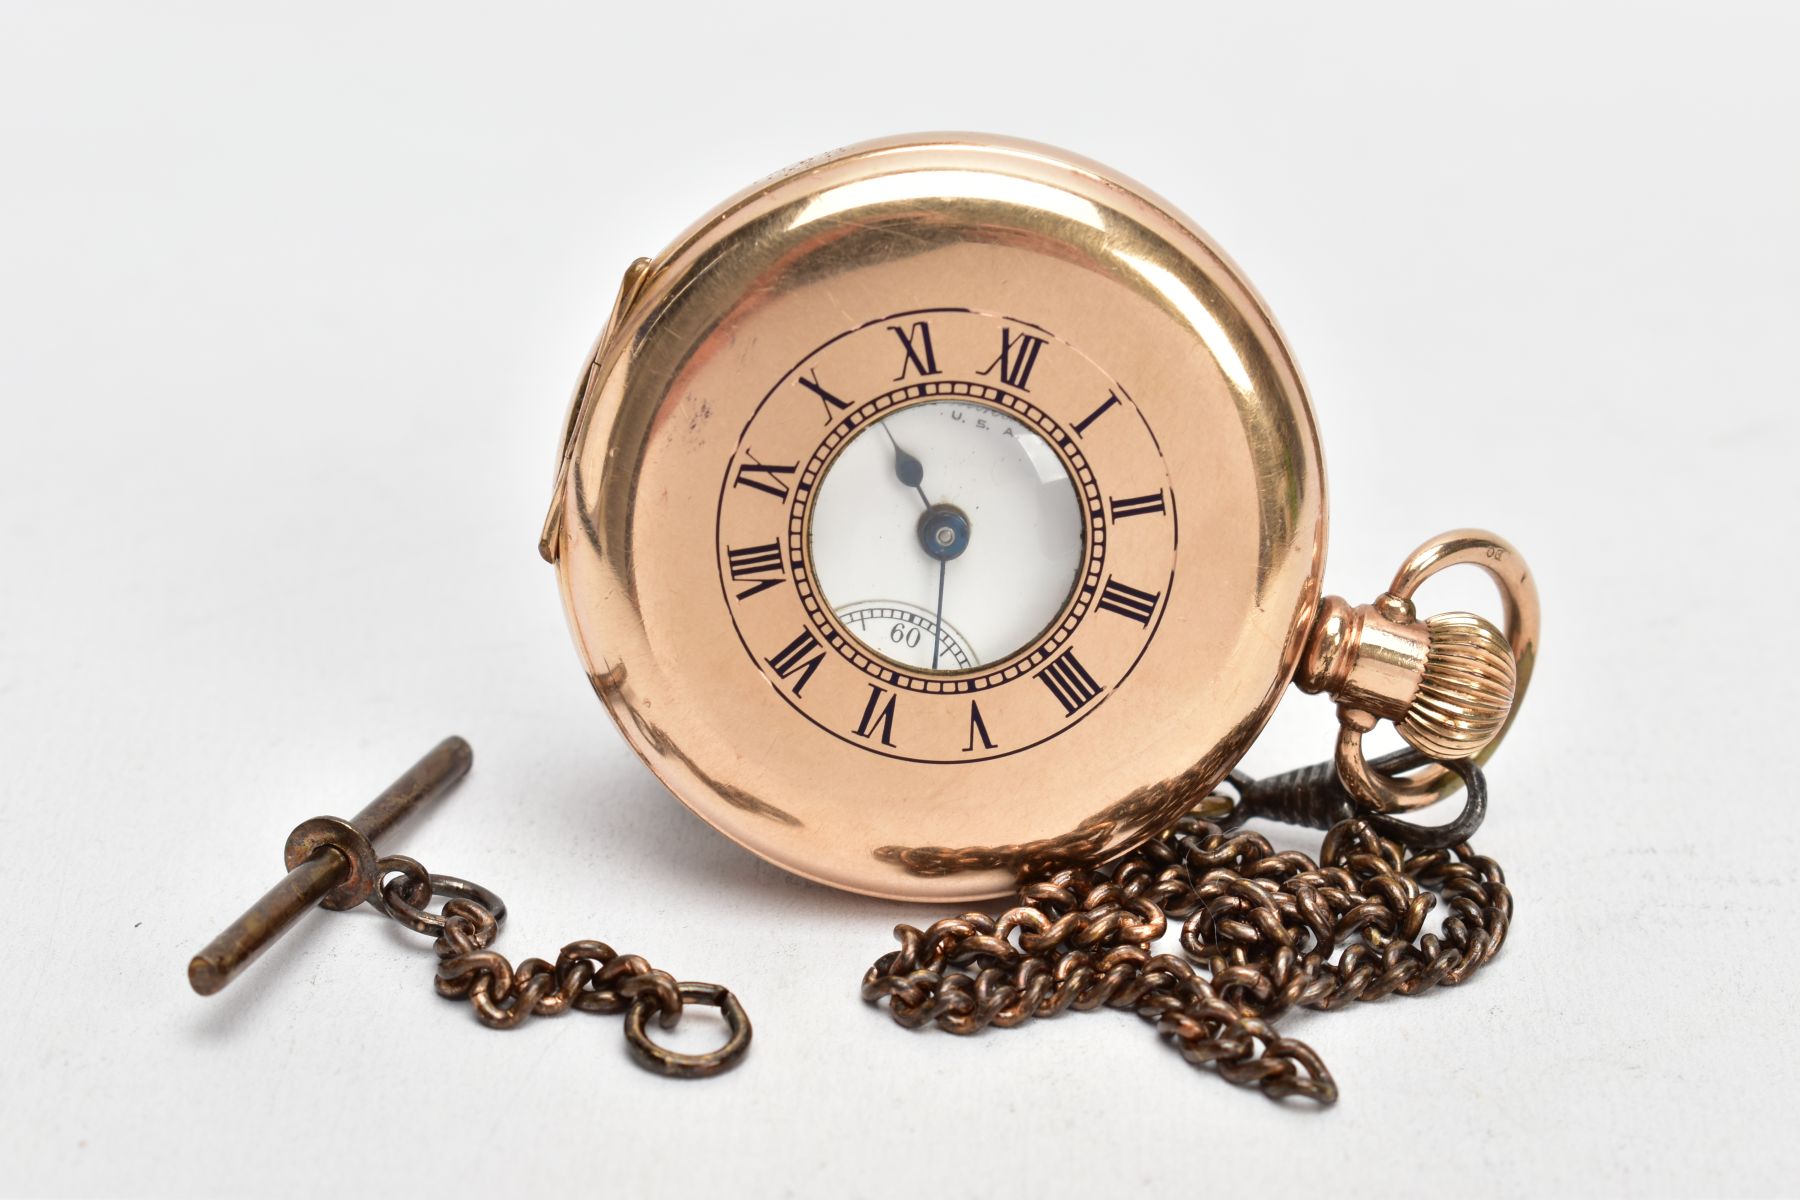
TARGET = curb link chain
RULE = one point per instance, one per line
(587, 975)
(1262, 933)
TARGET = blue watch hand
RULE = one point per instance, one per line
(937, 627)
(907, 469)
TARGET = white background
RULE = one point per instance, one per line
(290, 302)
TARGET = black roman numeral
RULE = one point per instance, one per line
(1137, 506)
(1069, 682)
(977, 730)
(810, 382)
(758, 565)
(747, 476)
(919, 355)
(1016, 358)
(793, 657)
(1081, 427)
(1127, 601)
(883, 717)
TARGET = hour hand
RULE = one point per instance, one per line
(907, 469)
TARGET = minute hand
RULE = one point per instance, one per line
(937, 624)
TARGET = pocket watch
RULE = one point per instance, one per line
(948, 504)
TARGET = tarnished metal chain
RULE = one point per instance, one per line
(587, 975)
(1263, 932)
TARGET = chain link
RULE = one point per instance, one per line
(1263, 933)
(587, 975)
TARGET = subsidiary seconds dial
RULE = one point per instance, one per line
(946, 536)
(908, 635)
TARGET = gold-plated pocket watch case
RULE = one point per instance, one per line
(929, 787)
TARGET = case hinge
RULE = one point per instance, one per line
(581, 407)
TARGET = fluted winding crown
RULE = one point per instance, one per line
(1467, 692)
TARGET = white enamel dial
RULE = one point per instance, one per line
(956, 520)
